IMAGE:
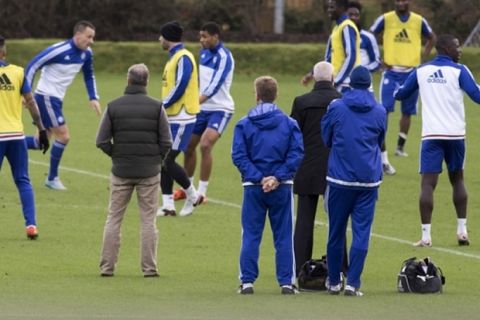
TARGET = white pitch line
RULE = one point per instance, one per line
(236, 206)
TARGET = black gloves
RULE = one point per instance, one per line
(43, 140)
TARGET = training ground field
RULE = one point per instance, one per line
(57, 276)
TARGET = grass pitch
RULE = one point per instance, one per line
(57, 277)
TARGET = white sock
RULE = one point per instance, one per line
(191, 192)
(202, 187)
(191, 179)
(385, 157)
(168, 201)
(462, 226)
(426, 232)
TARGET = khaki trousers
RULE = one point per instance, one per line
(121, 190)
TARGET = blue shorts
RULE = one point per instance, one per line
(391, 81)
(216, 120)
(433, 152)
(50, 110)
(181, 134)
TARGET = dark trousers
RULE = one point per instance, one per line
(303, 238)
(304, 225)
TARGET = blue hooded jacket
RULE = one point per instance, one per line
(354, 128)
(267, 143)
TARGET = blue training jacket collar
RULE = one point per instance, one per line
(174, 49)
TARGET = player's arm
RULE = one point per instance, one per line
(327, 125)
(184, 72)
(373, 52)
(104, 134)
(469, 85)
(224, 67)
(327, 57)
(428, 33)
(409, 86)
(377, 29)
(349, 39)
(43, 58)
(241, 159)
(90, 84)
(294, 155)
(32, 107)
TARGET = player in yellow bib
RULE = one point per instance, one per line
(180, 97)
(403, 31)
(13, 87)
(343, 47)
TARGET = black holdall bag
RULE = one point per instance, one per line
(313, 275)
(420, 276)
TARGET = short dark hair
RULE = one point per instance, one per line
(2, 41)
(444, 41)
(355, 4)
(82, 25)
(266, 88)
(211, 27)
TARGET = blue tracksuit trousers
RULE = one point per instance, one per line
(342, 203)
(278, 204)
(16, 153)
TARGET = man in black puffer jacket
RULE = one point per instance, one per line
(135, 133)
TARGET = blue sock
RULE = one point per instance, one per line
(55, 157)
(32, 143)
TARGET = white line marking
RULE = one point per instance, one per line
(236, 206)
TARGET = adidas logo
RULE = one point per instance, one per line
(5, 83)
(402, 36)
(437, 77)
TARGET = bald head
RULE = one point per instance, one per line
(323, 71)
(138, 75)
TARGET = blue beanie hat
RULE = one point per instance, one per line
(172, 31)
(360, 78)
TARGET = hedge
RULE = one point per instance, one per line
(250, 59)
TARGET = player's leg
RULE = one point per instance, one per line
(147, 197)
(281, 215)
(190, 153)
(362, 219)
(62, 137)
(52, 117)
(17, 156)
(339, 204)
(431, 158)
(254, 212)
(217, 123)
(409, 108)
(304, 225)
(455, 158)
(181, 134)
(120, 193)
(208, 140)
(387, 87)
(190, 156)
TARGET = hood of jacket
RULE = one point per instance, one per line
(359, 100)
(265, 116)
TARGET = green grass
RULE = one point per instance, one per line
(57, 277)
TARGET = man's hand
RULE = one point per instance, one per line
(269, 183)
(306, 79)
(43, 140)
(95, 105)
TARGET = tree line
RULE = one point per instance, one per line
(243, 20)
